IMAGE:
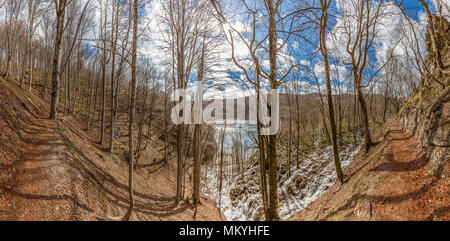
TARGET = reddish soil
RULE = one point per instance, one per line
(59, 172)
(391, 183)
(40, 188)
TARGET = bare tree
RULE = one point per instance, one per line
(60, 7)
(432, 31)
(49, 33)
(34, 11)
(279, 19)
(132, 108)
(197, 133)
(58, 64)
(12, 32)
(182, 20)
(360, 38)
(325, 4)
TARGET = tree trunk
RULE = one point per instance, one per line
(180, 137)
(20, 67)
(290, 135)
(114, 28)
(297, 163)
(432, 33)
(324, 50)
(91, 93)
(365, 119)
(30, 43)
(273, 169)
(46, 73)
(198, 108)
(67, 92)
(222, 139)
(196, 191)
(57, 55)
(132, 108)
(103, 108)
(95, 90)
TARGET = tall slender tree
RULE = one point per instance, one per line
(324, 5)
(132, 108)
(60, 7)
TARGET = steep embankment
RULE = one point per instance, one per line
(36, 178)
(59, 172)
(426, 115)
(391, 183)
(406, 175)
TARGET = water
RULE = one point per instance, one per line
(240, 131)
(315, 175)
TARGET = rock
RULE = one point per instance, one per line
(426, 114)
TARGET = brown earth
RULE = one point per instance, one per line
(52, 171)
(391, 183)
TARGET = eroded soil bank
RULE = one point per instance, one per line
(391, 183)
(58, 171)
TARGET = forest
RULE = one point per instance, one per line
(224, 110)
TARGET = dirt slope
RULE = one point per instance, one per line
(54, 171)
(37, 177)
(390, 184)
(426, 114)
(406, 175)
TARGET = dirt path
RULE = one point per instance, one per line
(405, 191)
(42, 187)
(52, 171)
(391, 183)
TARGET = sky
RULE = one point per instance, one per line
(226, 80)
(413, 7)
(295, 54)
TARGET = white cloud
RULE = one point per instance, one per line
(445, 7)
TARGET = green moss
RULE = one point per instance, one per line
(415, 99)
(323, 142)
(362, 185)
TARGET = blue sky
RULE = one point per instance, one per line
(303, 52)
(412, 8)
